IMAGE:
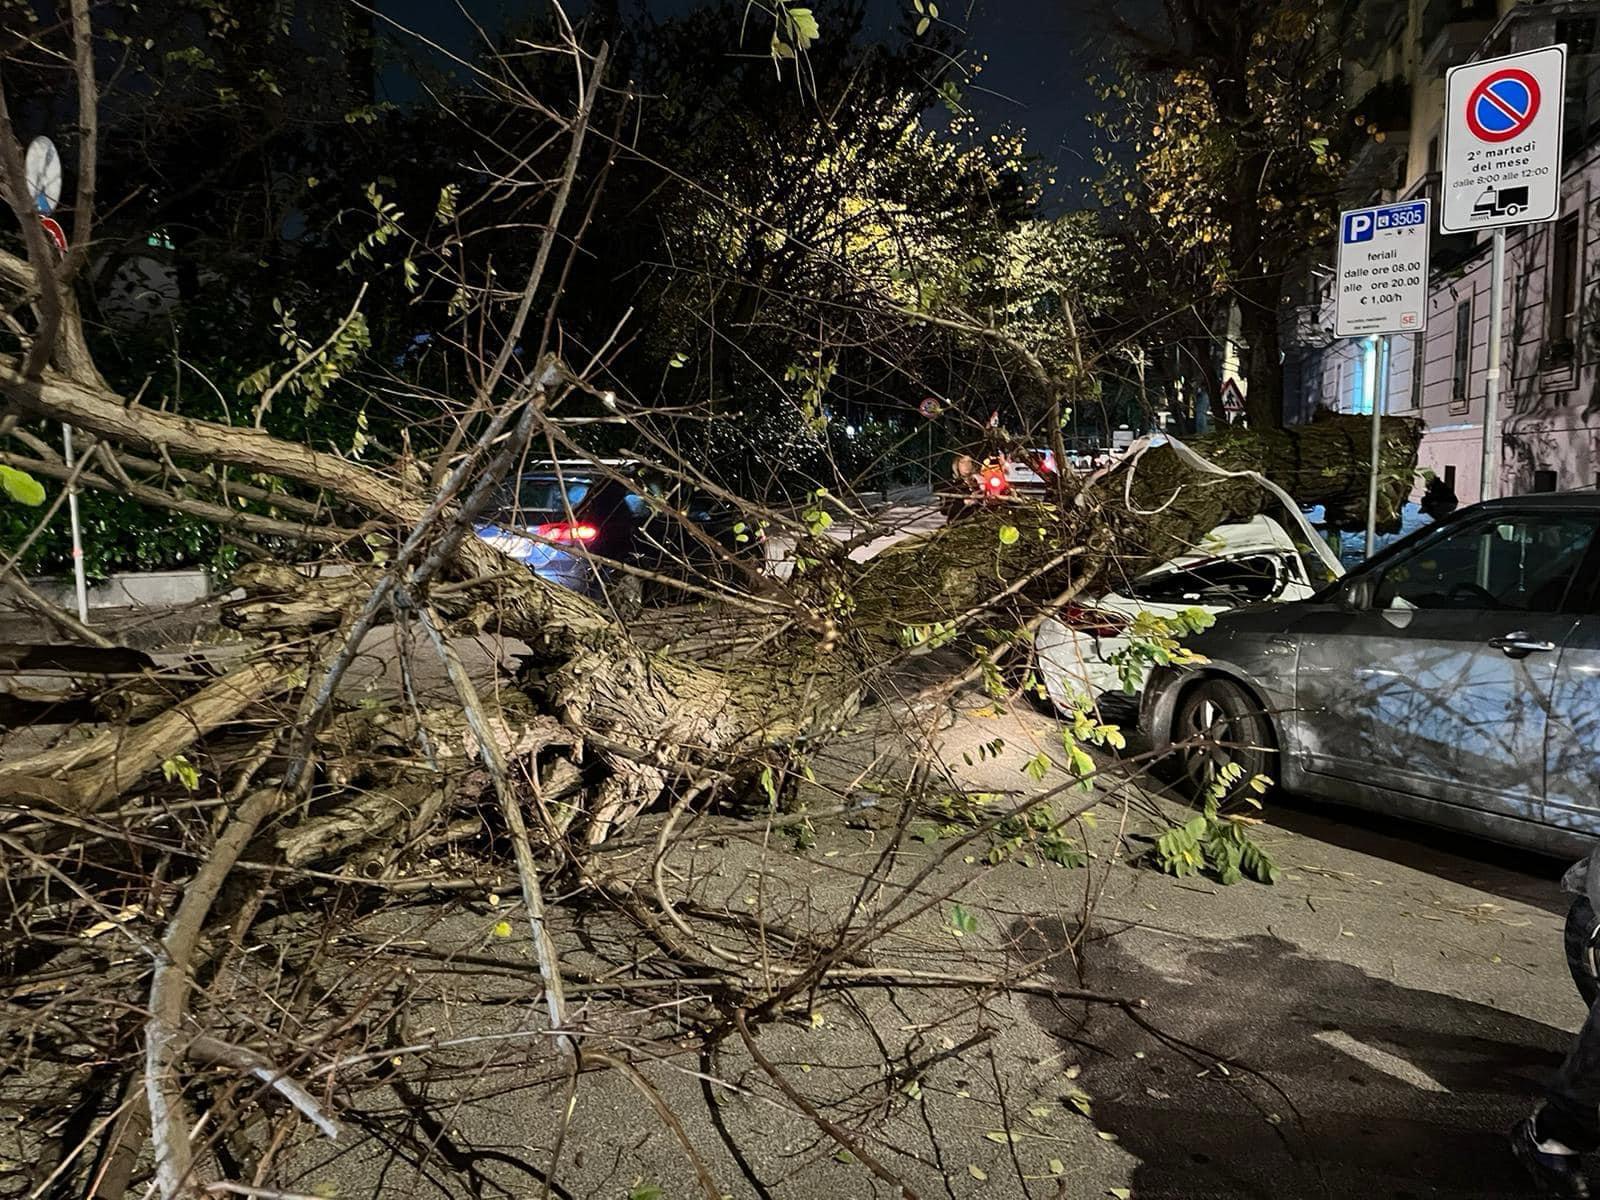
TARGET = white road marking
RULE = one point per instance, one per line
(1381, 1060)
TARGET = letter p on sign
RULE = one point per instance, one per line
(1357, 227)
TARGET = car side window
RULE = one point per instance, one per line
(1519, 563)
(1223, 581)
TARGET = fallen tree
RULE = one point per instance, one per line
(309, 783)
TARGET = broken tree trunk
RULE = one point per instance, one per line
(654, 718)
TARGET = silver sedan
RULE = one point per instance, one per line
(1453, 679)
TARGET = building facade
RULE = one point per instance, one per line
(1547, 414)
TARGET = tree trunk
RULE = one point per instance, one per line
(650, 716)
(1258, 326)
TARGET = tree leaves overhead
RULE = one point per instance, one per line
(1224, 142)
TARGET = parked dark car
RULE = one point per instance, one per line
(571, 524)
(1453, 679)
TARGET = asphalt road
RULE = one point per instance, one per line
(1370, 1026)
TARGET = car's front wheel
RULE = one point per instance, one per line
(1218, 723)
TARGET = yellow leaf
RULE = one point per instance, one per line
(977, 1172)
(502, 929)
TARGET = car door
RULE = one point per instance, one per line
(1439, 686)
(1572, 737)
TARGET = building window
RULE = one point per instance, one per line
(1544, 481)
(1463, 357)
(1450, 477)
(1562, 326)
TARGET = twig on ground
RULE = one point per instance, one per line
(849, 1143)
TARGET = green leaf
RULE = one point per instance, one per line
(183, 771)
(1257, 863)
(21, 487)
(1037, 767)
(769, 785)
(1062, 851)
(806, 29)
(1057, 1167)
(962, 920)
(446, 208)
(1009, 535)
(922, 26)
(645, 1191)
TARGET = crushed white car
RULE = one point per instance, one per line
(1256, 562)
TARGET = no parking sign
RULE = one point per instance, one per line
(1502, 141)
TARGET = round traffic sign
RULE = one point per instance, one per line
(43, 169)
(53, 231)
(1503, 105)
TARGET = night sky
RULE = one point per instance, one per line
(1040, 52)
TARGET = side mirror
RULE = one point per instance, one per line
(1357, 594)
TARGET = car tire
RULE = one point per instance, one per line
(1218, 722)
(1583, 948)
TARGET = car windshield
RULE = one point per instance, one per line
(1220, 581)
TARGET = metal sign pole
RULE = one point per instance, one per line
(1490, 486)
(77, 538)
(1380, 402)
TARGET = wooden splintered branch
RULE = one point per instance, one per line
(522, 846)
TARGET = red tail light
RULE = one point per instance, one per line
(1093, 620)
(566, 531)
